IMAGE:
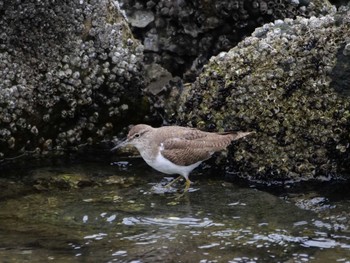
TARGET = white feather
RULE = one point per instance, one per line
(163, 165)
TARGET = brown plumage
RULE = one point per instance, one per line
(175, 149)
(184, 151)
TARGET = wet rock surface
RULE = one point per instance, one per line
(71, 75)
(182, 35)
(278, 82)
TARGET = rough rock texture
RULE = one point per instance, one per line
(70, 74)
(182, 35)
(339, 3)
(279, 83)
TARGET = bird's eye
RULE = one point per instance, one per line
(137, 135)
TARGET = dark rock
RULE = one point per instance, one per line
(185, 34)
(157, 77)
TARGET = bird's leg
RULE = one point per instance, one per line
(187, 186)
(173, 181)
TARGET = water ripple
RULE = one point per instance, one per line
(170, 221)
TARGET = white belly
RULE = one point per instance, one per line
(165, 166)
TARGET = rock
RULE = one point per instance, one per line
(141, 19)
(179, 34)
(278, 82)
(158, 78)
(71, 74)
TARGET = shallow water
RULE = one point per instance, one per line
(97, 212)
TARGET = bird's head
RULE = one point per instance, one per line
(135, 136)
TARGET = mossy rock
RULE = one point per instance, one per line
(278, 82)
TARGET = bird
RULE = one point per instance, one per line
(176, 149)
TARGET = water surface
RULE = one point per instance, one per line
(97, 212)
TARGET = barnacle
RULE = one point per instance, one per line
(60, 72)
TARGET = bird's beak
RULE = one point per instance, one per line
(120, 145)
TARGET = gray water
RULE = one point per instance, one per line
(97, 212)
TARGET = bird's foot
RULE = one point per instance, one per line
(187, 187)
(173, 181)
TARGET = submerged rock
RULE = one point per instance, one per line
(278, 82)
(71, 75)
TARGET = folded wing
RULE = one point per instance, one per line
(193, 149)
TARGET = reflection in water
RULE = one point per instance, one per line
(97, 213)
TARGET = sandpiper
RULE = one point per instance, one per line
(176, 149)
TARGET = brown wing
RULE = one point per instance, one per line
(194, 134)
(184, 133)
(188, 146)
(186, 156)
(185, 152)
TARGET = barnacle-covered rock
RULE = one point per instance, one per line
(281, 82)
(71, 74)
(182, 35)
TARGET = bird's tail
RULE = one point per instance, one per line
(236, 135)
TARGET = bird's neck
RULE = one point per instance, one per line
(146, 151)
